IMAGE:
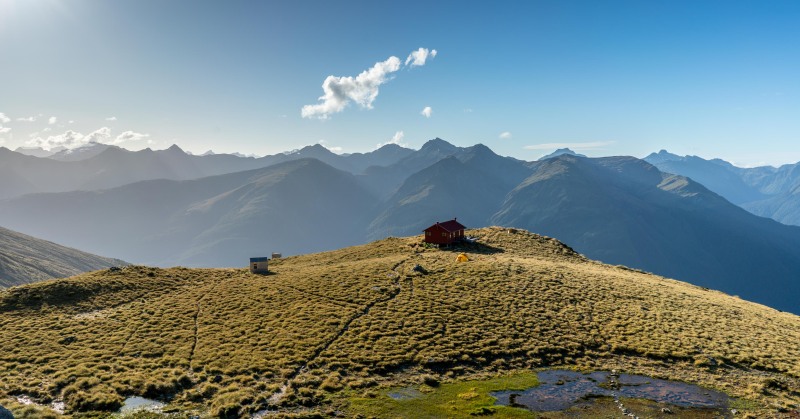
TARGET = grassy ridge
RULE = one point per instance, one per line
(326, 326)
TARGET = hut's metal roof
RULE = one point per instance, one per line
(449, 226)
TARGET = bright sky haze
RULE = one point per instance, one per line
(708, 78)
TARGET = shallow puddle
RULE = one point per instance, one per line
(405, 394)
(560, 390)
(132, 404)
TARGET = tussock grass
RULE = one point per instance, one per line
(330, 325)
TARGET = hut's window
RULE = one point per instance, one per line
(255, 266)
(444, 234)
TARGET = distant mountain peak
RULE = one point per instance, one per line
(390, 146)
(34, 151)
(439, 144)
(561, 152)
(174, 148)
(310, 150)
(663, 156)
(482, 148)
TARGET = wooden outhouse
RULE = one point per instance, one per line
(259, 265)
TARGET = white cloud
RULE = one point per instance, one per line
(71, 122)
(99, 136)
(4, 118)
(2, 141)
(69, 139)
(427, 112)
(111, 118)
(593, 145)
(28, 119)
(52, 120)
(468, 110)
(73, 139)
(47, 129)
(4, 130)
(420, 56)
(129, 136)
(362, 89)
(397, 139)
(504, 135)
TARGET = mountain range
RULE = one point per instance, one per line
(25, 259)
(619, 210)
(103, 166)
(766, 191)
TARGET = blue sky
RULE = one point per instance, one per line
(710, 78)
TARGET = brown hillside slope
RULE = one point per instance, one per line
(25, 259)
(330, 324)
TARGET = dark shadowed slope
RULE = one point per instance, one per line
(622, 210)
(783, 207)
(25, 259)
(299, 206)
(385, 180)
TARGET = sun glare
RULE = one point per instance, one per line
(13, 10)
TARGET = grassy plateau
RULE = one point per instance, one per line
(334, 333)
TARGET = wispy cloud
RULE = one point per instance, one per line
(4, 118)
(397, 139)
(504, 135)
(592, 145)
(4, 130)
(362, 89)
(420, 56)
(427, 112)
(28, 119)
(52, 120)
(111, 118)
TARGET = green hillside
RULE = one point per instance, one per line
(330, 332)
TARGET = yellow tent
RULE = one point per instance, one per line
(462, 258)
